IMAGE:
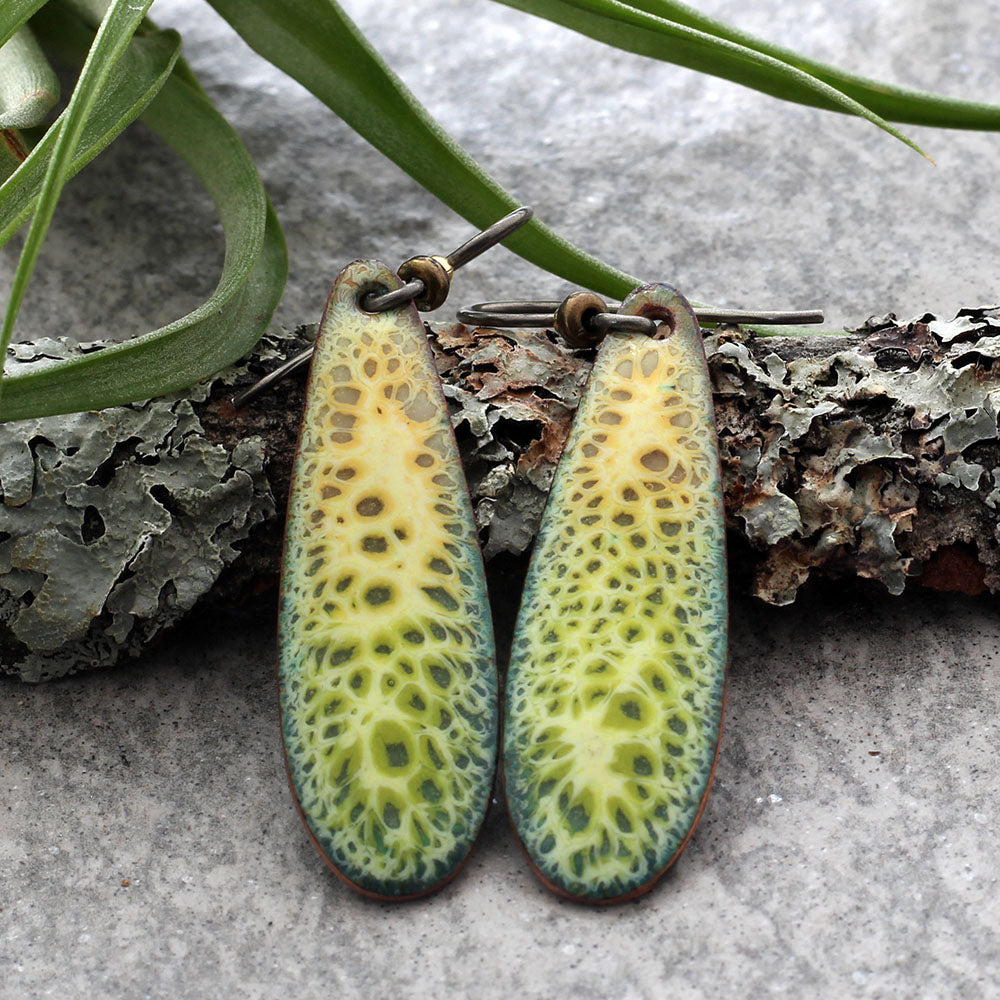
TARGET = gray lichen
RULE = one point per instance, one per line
(879, 454)
(113, 524)
(872, 455)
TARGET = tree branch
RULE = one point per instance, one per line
(872, 455)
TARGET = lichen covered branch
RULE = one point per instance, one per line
(872, 455)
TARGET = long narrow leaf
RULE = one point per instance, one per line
(165, 360)
(318, 45)
(115, 33)
(219, 331)
(139, 75)
(91, 13)
(636, 31)
(897, 104)
(14, 13)
(29, 87)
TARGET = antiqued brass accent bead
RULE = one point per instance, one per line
(435, 272)
(572, 319)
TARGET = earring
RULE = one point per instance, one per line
(387, 678)
(616, 686)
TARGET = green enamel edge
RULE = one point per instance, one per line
(386, 659)
(617, 678)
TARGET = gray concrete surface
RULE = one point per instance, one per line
(849, 847)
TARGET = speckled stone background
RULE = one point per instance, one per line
(849, 848)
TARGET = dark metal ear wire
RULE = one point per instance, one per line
(428, 278)
(427, 282)
(293, 364)
(583, 318)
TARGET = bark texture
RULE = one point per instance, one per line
(875, 454)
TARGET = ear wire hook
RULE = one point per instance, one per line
(427, 282)
(583, 318)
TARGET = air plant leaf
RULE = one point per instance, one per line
(137, 78)
(315, 42)
(116, 31)
(13, 147)
(29, 87)
(896, 104)
(14, 13)
(91, 12)
(634, 30)
(224, 327)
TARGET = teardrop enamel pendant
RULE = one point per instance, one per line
(617, 679)
(386, 661)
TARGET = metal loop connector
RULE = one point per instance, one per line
(581, 319)
(375, 303)
(434, 273)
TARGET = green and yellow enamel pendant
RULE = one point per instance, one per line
(387, 679)
(616, 686)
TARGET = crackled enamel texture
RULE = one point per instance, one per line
(386, 664)
(616, 684)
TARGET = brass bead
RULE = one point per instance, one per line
(435, 272)
(572, 319)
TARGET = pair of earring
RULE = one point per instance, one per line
(387, 676)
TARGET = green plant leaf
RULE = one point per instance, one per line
(13, 147)
(135, 81)
(114, 35)
(219, 331)
(165, 360)
(91, 12)
(897, 104)
(29, 87)
(14, 13)
(315, 42)
(634, 30)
